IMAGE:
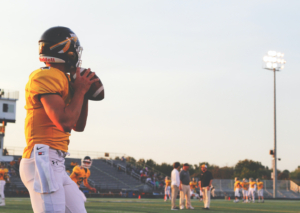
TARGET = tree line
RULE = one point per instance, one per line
(243, 169)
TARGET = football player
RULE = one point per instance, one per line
(237, 187)
(81, 174)
(193, 186)
(260, 190)
(167, 188)
(252, 189)
(3, 177)
(55, 106)
(245, 188)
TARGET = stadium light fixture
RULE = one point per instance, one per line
(274, 61)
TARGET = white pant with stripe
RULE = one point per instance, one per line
(67, 199)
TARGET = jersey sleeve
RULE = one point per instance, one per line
(47, 82)
(76, 170)
(88, 174)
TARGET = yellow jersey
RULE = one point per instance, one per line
(193, 185)
(237, 185)
(3, 173)
(79, 175)
(260, 185)
(252, 184)
(168, 182)
(39, 129)
(245, 185)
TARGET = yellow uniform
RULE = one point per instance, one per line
(237, 185)
(193, 185)
(3, 173)
(252, 185)
(39, 129)
(260, 185)
(245, 185)
(168, 183)
(81, 174)
(260, 190)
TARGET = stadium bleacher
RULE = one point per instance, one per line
(111, 176)
(105, 176)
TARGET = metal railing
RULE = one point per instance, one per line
(73, 153)
(9, 94)
(123, 168)
(135, 175)
(285, 188)
(294, 187)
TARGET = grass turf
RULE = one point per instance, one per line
(115, 205)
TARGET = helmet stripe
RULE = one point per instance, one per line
(67, 42)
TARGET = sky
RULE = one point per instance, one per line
(183, 79)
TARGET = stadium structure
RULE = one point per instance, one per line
(111, 178)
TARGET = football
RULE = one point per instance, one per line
(96, 91)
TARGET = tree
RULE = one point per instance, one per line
(151, 163)
(295, 175)
(285, 175)
(141, 162)
(222, 173)
(130, 160)
(248, 168)
(164, 168)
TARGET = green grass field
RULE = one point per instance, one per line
(115, 205)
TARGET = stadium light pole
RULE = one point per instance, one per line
(274, 61)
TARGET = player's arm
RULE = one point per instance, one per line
(87, 185)
(65, 117)
(81, 122)
(210, 182)
(200, 185)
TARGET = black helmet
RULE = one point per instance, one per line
(60, 45)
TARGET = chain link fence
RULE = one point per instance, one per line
(285, 188)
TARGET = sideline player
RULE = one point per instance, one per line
(193, 186)
(260, 190)
(81, 174)
(245, 189)
(55, 106)
(3, 176)
(237, 186)
(252, 189)
(167, 188)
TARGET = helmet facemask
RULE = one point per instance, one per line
(86, 162)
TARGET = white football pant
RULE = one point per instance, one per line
(168, 192)
(237, 192)
(194, 194)
(252, 194)
(67, 199)
(260, 193)
(245, 193)
(2, 186)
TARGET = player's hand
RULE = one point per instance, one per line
(180, 188)
(93, 190)
(208, 187)
(83, 82)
